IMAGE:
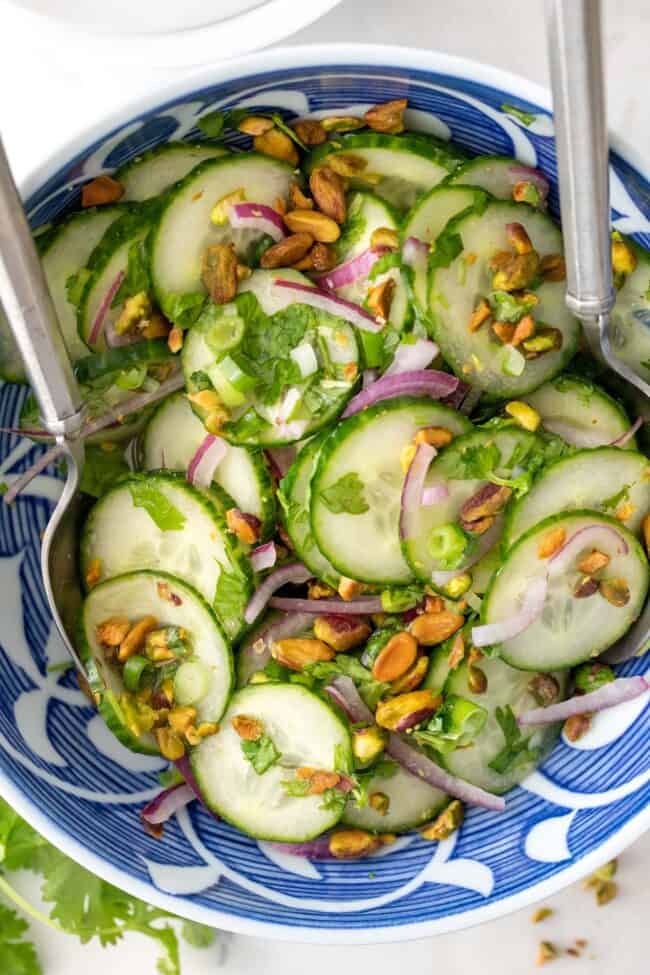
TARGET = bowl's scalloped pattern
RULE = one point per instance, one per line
(83, 787)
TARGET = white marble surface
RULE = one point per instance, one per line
(57, 98)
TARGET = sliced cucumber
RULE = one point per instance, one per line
(397, 168)
(506, 688)
(455, 467)
(245, 352)
(411, 802)
(569, 630)
(439, 669)
(11, 363)
(154, 171)
(173, 436)
(455, 287)
(305, 731)
(630, 319)
(108, 260)
(173, 528)
(580, 412)
(491, 173)
(603, 479)
(122, 359)
(295, 488)
(360, 469)
(139, 594)
(185, 222)
(426, 221)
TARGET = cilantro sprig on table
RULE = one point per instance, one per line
(80, 904)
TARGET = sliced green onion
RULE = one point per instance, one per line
(133, 671)
(447, 545)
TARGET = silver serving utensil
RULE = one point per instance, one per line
(32, 317)
(576, 62)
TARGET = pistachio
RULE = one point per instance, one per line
(446, 823)
(406, 455)
(517, 272)
(175, 339)
(319, 781)
(219, 272)
(550, 543)
(287, 251)
(368, 744)
(220, 214)
(592, 563)
(134, 640)
(380, 802)
(349, 844)
(407, 710)
(180, 719)
(384, 237)
(546, 952)
(245, 526)
(320, 590)
(615, 591)
(503, 331)
(112, 631)
(431, 628)
(321, 227)
(433, 604)
(342, 123)
(524, 415)
(624, 511)
(544, 688)
(155, 327)
(170, 744)
(552, 267)
(320, 258)
(577, 726)
(136, 309)
(388, 117)
(606, 892)
(296, 653)
(310, 131)
(247, 727)
(457, 652)
(206, 729)
(518, 238)
(328, 190)
(341, 632)
(525, 192)
(524, 330)
(480, 315)
(412, 678)
(437, 437)
(349, 166)
(624, 260)
(395, 658)
(349, 589)
(476, 680)
(100, 191)
(205, 399)
(488, 500)
(380, 299)
(541, 914)
(165, 643)
(545, 339)
(298, 200)
(278, 145)
(480, 526)
(255, 125)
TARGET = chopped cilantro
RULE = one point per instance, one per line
(166, 516)
(526, 118)
(296, 788)
(448, 246)
(262, 754)
(288, 131)
(346, 495)
(620, 497)
(184, 310)
(455, 725)
(136, 278)
(215, 123)
(102, 469)
(507, 308)
(231, 593)
(398, 599)
(385, 263)
(75, 285)
(516, 750)
(370, 689)
(480, 460)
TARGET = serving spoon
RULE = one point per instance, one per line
(576, 62)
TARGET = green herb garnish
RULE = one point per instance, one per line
(526, 118)
(262, 754)
(346, 495)
(166, 516)
(516, 750)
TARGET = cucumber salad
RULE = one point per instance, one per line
(357, 568)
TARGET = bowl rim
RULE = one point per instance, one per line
(315, 56)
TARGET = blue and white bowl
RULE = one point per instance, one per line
(61, 768)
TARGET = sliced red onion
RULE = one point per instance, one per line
(98, 322)
(412, 356)
(415, 717)
(281, 459)
(423, 768)
(349, 272)
(434, 494)
(533, 603)
(368, 377)
(166, 803)
(590, 535)
(414, 251)
(296, 572)
(412, 488)
(456, 398)
(421, 382)
(257, 216)
(343, 692)
(256, 652)
(358, 607)
(305, 294)
(264, 557)
(115, 341)
(207, 457)
(318, 849)
(534, 176)
(626, 437)
(608, 696)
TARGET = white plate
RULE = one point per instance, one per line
(155, 33)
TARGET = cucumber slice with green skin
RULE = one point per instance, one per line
(491, 173)
(192, 543)
(439, 669)
(455, 288)
(514, 445)
(185, 222)
(506, 687)
(580, 412)
(254, 340)
(412, 802)
(426, 221)
(135, 595)
(397, 168)
(306, 732)
(630, 318)
(12, 369)
(64, 251)
(295, 487)
(603, 479)
(98, 365)
(484, 569)
(153, 172)
(174, 434)
(366, 449)
(108, 260)
(569, 630)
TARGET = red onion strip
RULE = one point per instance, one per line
(343, 692)
(207, 457)
(627, 436)
(296, 572)
(414, 251)
(281, 459)
(355, 607)
(616, 692)
(411, 356)
(304, 294)
(421, 382)
(590, 535)
(434, 494)
(534, 176)
(413, 486)
(533, 603)
(349, 272)
(258, 216)
(264, 556)
(256, 653)
(166, 803)
(103, 310)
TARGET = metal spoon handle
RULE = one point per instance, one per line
(575, 54)
(32, 316)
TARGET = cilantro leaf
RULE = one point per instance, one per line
(215, 123)
(397, 599)
(526, 118)
(231, 593)
(385, 263)
(288, 131)
(480, 460)
(516, 750)
(334, 799)
(296, 788)
(184, 309)
(448, 246)
(102, 469)
(17, 956)
(346, 495)
(620, 497)
(508, 308)
(136, 277)
(262, 754)
(162, 512)
(75, 285)
(370, 689)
